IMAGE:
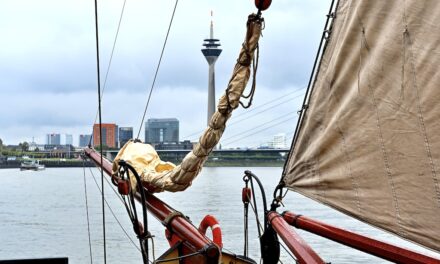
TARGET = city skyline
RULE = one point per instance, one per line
(125, 133)
(54, 75)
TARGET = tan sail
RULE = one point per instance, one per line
(369, 145)
(177, 178)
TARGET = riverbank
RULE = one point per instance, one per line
(75, 163)
(72, 163)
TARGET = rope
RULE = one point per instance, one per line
(87, 211)
(309, 90)
(143, 234)
(251, 94)
(153, 251)
(260, 226)
(237, 120)
(254, 207)
(109, 64)
(100, 128)
(246, 228)
(157, 69)
(264, 110)
(288, 252)
(178, 258)
(114, 215)
(260, 125)
(246, 219)
(258, 131)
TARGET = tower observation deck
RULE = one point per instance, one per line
(211, 51)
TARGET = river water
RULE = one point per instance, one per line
(43, 214)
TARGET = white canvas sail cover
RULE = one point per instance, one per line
(369, 144)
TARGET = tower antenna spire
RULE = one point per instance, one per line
(211, 32)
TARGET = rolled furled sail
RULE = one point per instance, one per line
(369, 143)
(172, 178)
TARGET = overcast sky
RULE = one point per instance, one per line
(48, 65)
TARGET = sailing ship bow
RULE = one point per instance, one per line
(369, 141)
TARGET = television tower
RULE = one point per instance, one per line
(211, 53)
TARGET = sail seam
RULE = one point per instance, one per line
(322, 185)
(382, 144)
(407, 40)
(348, 161)
(354, 181)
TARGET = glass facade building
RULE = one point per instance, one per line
(125, 134)
(53, 139)
(162, 130)
(69, 139)
(84, 140)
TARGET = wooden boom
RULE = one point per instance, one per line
(170, 218)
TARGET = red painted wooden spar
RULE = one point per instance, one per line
(362, 243)
(302, 251)
(179, 225)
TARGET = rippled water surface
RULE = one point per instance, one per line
(43, 214)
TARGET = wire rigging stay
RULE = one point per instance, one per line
(111, 210)
(98, 75)
(87, 211)
(157, 69)
(249, 114)
(109, 65)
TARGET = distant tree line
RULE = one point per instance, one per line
(21, 149)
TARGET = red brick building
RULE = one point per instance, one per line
(109, 135)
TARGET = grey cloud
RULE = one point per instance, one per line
(48, 67)
(63, 55)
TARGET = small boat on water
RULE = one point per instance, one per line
(31, 164)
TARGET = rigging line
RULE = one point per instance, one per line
(258, 126)
(288, 136)
(100, 128)
(119, 196)
(178, 258)
(287, 251)
(114, 215)
(261, 130)
(255, 108)
(153, 251)
(266, 109)
(87, 212)
(157, 68)
(259, 225)
(273, 100)
(262, 111)
(110, 62)
(316, 65)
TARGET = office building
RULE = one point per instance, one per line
(69, 139)
(53, 139)
(84, 140)
(109, 135)
(162, 130)
(125, 134)
(278, 142)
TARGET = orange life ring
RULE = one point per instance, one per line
(212, 222)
